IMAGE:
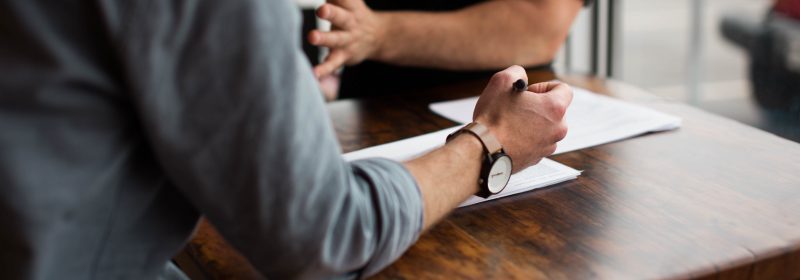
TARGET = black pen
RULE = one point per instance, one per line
(520, 85)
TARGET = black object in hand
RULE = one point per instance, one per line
(520, 85)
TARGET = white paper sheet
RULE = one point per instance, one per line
(592, 119)
(546, 173)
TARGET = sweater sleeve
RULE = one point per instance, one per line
(234, 115)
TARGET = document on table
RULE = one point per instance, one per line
(547, 172)
(592, 119)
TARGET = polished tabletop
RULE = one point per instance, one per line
(714, 199)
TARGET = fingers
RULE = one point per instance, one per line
(560, 132)
(329, 84)
(561, 92)
(550, 149)
(507, 77)
(543, 87)
(334, 60)
(347, 4)
(338, 16)
(553, 102)
(554, 99)
(332, 39)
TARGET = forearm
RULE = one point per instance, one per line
(447, 176)
(489, 35)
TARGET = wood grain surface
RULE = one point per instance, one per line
(714, 199)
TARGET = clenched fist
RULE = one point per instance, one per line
(528, 123)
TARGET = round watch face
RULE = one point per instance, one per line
(499, 174)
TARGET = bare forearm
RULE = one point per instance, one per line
(447, 176)
(489, 35)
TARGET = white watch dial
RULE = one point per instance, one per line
(499, 174)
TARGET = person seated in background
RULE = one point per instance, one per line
(773, 46)
(125, 121)
(392, 45)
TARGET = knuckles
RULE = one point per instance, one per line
(561, 131)
(550, 149)
(501, 78)
(559, 99)
(558, 109)
(506, 77)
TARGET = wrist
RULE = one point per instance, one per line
(496, 165)
(384, 23)
(467, 148)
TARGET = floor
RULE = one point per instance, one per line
(655, 48)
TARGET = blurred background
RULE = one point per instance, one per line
(734, 58)
(696, 51)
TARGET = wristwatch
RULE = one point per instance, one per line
(496, 167)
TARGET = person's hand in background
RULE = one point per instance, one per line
(329, 85)
(528, 124)
(356, 33)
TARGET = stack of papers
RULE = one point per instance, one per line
(592, 120)
(546, 173)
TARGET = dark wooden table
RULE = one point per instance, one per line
(713, 200)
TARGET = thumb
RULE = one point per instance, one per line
(543, 87)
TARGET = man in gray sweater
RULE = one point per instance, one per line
(121, 122)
